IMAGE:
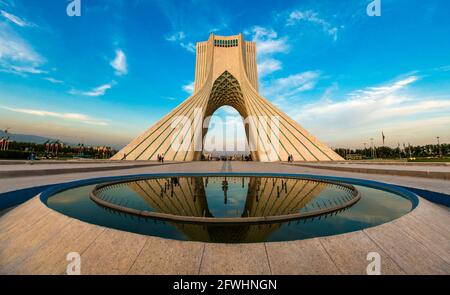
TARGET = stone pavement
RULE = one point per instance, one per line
(29, 168)
(35, 239)
(422, 170)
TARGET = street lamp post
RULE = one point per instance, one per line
(439, 146)
(371, 146)
(409, 150)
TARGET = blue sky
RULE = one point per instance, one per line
(106, 76)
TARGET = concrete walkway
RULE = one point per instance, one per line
(28, 168)
(426, 171)
(35, 239)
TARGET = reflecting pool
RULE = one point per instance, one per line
(232, 197)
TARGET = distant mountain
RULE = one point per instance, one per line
(25, 137)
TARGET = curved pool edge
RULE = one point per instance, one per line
(415, 243)
(225, 220)
(396, 189)
(400, 191)
(190, 257)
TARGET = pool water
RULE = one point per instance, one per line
(225, 197)
(230, 197)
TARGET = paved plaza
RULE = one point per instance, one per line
(35, 239)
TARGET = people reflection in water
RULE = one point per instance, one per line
(251, 196)
(174, 181)
(260, 196)
(225, 190)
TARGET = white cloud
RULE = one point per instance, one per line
(16, 55)
(312, 17)
(268, 66)
(4, 2)
(267, 44)
(367, 112)
(16, 20)
(361, 104)
(267, 40)
(97, 91)
(16, 49)
(179, 37)
(326, 96)
(120, 63)
(53, 80)
(67, 116)
(282, 89)
(373, 92)
(188, 46)
(189, 88)
(169, 98)
(26, 70)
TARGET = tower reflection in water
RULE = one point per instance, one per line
(229, 197)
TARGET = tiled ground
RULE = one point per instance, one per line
(35, 239)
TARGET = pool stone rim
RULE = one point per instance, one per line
(399, 190)
(356, 196)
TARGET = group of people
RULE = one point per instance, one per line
(209, 158)
(237, 157)
(290, 158)
(32, 156)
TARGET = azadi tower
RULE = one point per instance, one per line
(226, 74)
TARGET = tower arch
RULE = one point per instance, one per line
(226, 74)
(226, 91)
